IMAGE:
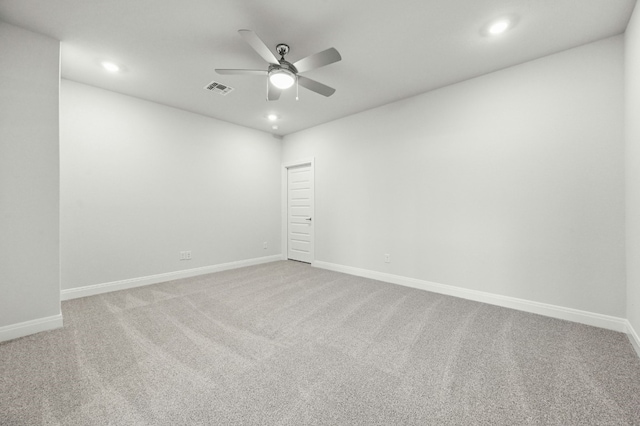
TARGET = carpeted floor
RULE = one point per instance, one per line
(287, 344)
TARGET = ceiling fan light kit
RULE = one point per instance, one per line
(281, 78)
(282, 74)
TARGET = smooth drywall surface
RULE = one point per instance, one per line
(511, 183)
(29, 176)
(141, 182)
(632, 136)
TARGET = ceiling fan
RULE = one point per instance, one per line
(283, 74)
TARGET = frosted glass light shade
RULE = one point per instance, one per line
(282, 79)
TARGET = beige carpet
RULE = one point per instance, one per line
(287, 344)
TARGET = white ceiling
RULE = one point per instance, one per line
(390, 50)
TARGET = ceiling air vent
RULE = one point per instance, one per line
(219, 88)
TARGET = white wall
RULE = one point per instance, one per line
(141, 182)
(632, 136)
(511, 183)
(29, 180)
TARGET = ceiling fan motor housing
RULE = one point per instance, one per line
(284, 65)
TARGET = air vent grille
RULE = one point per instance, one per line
(219, 88)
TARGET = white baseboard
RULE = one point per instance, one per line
(91, 290)
(633, 338)
(13, 331)
(554, 311)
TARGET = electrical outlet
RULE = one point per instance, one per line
(264, 245)
(387, 258)
(185, 255)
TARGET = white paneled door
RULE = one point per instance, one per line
(300, 213)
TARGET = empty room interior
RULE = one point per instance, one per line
(286, 212)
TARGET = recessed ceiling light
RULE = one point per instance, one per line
(110, 66)
(272, 117)
(274, 127)
(499, 27)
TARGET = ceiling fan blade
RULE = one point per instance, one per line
(242, 72)
(273, 93)
(318, 60)
(315, 86)
(259, 46)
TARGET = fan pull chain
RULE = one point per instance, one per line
(297, 87)
(267, 97)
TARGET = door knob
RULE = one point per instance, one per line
(309, 219)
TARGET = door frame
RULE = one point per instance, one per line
(285, 205)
